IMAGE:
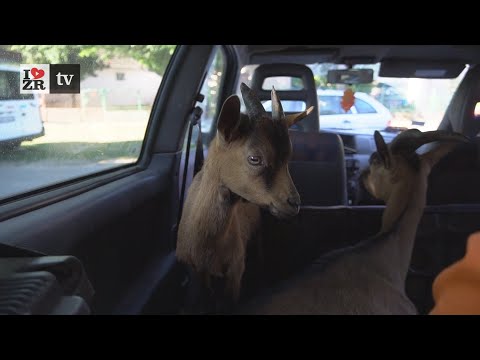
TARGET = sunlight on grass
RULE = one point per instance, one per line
(94, 141)
(91, 152)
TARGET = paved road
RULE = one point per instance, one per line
(17, 178)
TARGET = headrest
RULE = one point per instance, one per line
(307, 94)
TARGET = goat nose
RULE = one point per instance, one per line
(294, 202)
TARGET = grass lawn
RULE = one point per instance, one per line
(72, 151)
(91, 141)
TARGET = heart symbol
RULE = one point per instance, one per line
(36, 73)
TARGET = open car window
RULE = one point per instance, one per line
(49, 136)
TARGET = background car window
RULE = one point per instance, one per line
(9, 89)
(50, 138)
(211, 89)
(331, 105)
(364, 108)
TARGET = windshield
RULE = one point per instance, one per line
(387, 104)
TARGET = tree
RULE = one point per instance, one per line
(154, 57)
(94, 57)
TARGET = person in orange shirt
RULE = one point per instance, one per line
(456, 290)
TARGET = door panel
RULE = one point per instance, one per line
(119, 223)
(115, 229)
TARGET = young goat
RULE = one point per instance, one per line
(369, 278)
(246, 168)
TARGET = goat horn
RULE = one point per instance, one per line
(277, 109)
(410, 140)
(253, 105)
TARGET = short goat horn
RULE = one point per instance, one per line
(277, 109)
(255, 109)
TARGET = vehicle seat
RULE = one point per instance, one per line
(456, 178)
(317, 165)
(318, 169)
(308, 94)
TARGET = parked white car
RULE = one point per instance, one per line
(20, 114)
(365, 116)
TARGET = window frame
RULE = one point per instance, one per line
(220, 88)
(27, 201)
(225, 89)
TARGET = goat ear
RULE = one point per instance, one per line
(292, 119)
(229, 118)
(382, 149)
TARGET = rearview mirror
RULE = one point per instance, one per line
(350, 77)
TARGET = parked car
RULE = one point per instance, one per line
(365, 116)
(20, 114)
(390, 96)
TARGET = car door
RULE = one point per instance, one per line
(368, 116)
(332, 116)
(102, 184)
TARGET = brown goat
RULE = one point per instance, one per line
(369, 278)
(246, 169)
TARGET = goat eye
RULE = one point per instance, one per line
(255, 160)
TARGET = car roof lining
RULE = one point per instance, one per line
(355, 54)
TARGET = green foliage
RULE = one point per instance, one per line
(366, 88)
(154, 57)
(320, 81)
(94, 57)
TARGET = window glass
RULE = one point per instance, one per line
(387, 104)
(47, 138)
(287, 105)
(331, 105)
(283, 83)
(364, 108)
(211, 90)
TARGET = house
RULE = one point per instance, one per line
(125, 83)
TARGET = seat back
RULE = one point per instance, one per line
(456, 178)
(318, 169)
(308, 94)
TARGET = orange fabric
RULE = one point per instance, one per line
(348, 99)
(456, 290)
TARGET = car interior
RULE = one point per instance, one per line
(104, 242)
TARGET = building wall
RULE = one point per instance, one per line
(138, 86)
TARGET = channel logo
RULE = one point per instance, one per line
(50, 79)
